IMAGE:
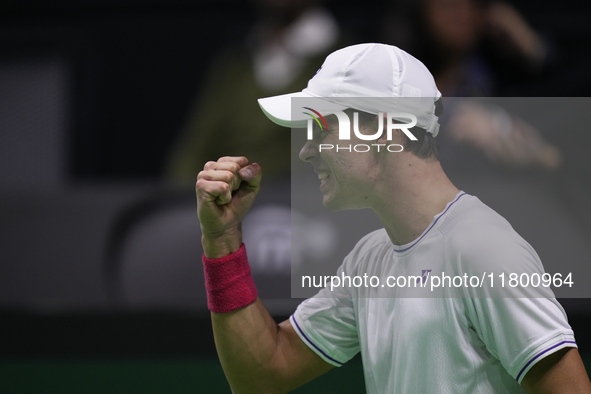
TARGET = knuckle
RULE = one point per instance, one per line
(228, 176)
(234, 159)
(234, 167)
(209, 165)
(243, 160)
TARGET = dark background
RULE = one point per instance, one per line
(130, 71)
(136, 66)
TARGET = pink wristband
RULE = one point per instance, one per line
(228, 282)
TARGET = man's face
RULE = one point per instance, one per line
(347, 179)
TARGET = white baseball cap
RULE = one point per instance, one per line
(369, 77)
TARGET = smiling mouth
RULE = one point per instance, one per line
(323, 176)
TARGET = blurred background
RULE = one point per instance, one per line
(108, 109)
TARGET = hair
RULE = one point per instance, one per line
(425, 147)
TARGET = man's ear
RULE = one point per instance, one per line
(384, 137)
(398, 137)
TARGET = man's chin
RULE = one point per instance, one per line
(341, 204)
(332, 204)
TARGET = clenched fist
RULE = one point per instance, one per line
(226, 189)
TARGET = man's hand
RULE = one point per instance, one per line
(507, 25)
(226, 190)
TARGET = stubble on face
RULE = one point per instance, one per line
(353, 175)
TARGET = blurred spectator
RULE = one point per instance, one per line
(504, 139)
(461, 42)
(468, 44)
(284, 49)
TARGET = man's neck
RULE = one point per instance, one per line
(412, 196)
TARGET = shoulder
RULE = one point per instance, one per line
(476, 234)
(472, 218)
(474, 224)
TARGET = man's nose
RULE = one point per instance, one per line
(309, 151)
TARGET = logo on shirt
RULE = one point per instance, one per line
(424, 277)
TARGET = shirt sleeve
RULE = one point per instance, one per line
(520, 331)
(519, 326)
(327, 324)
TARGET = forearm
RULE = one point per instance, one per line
(258, 356)
(220, 245)
(247, 341)
(245, 338)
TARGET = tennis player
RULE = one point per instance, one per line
(469, 344)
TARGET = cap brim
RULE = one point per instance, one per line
(279, 108)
